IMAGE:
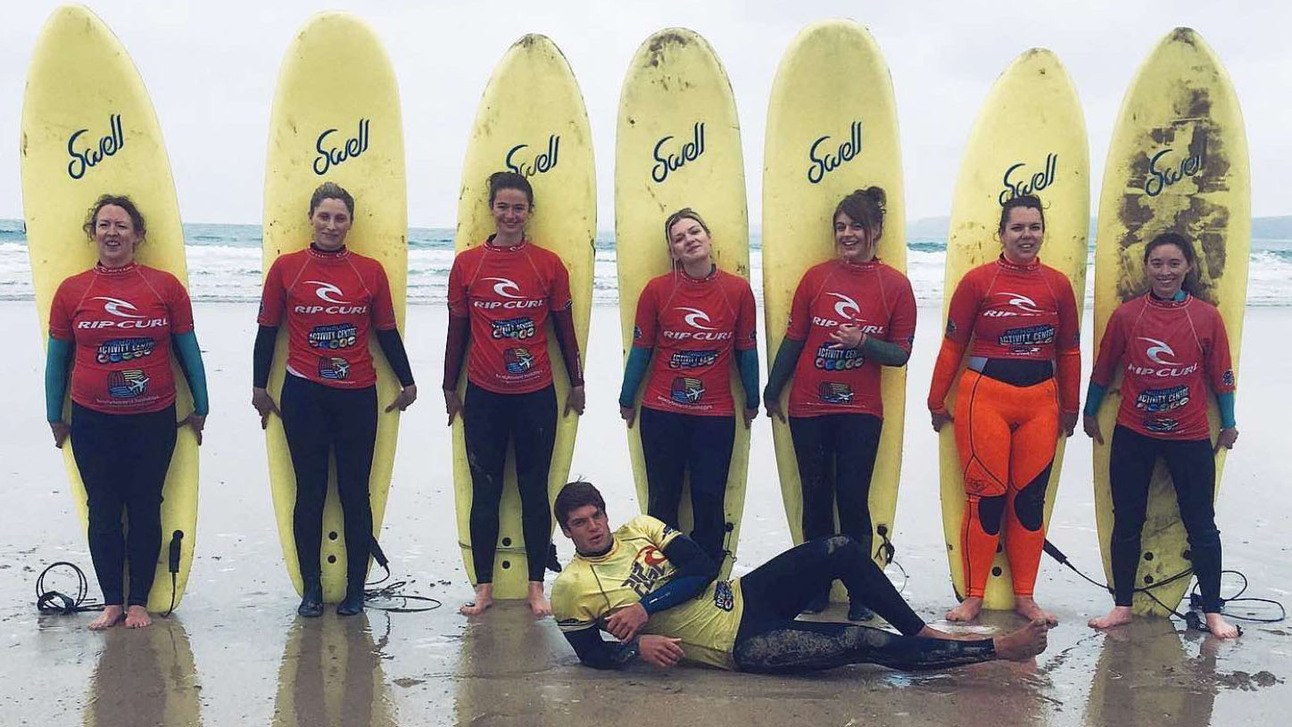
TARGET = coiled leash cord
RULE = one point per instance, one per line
(384, 598)
(1194, 617)
(55, 603)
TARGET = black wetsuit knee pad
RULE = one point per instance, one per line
(1029, 503)
(990, 511)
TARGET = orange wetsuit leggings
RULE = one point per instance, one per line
(1006, 437)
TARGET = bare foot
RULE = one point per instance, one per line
(1026, 607)
(1024, 643)
(1220, 628)
(928, 632)
(110, 617)
(1119, 616)
(484, 599)
(968, 610)
(137, 617)
(537, 601)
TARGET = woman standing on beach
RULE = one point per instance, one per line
(1018, 320)
(330, 298)
(500, 296)
(855, 314)
(117, 324)
(693, 324)
(1171, 347)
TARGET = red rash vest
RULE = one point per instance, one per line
(1169, 352)
(120, 321)
(829, 377)
(507, 293)
(1003, 310)
(330, 300)
(693, 326)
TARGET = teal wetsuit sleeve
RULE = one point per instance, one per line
(634, 373)
(1225, 400)
(886, 353)
(787, 357)
(57, 356)
(747, 363)
(1094, 397)
(190, 360)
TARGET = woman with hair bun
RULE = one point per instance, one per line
(1018, 320)
(694, 324)
(1171, 348)
(500, 296)
(853, 314)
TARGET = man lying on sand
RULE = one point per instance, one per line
(654, 590)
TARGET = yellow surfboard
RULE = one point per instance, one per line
(331, 676)
(336, 119)
(532, 121)
(831, 129)
(678, 145)
(1177, 162)
(1029, 138)
(88, 129)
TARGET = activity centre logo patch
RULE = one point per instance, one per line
(127, 384)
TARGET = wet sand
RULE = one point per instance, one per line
(235, 653)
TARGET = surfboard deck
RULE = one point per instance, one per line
(1029, 136)
(1178, 162)
(88, 129)
(831, 129)
(336, 118)
(678, 145)
(531, 120)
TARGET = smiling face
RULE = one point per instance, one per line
(115, 236)
(688, 241)
(331, 221)
(1022, 235)
(1166, 268)
(853, 241)
(510, 212)
(589, 528)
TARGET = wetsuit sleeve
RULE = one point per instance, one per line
(563, 327)
(695, 571)
(273, 299)
(383, 307)
(1094, 398)
(960, 321)
(58, 359)
(558, 298)
(747, 324)
(458, 304)
(634, 372)
(262, 355)
(598, 653)
(646, 323)
(60, 315)
(392, 344)
(180, 307)
(896, 349)
(747, 364)
(787, 358)
(1068, 353)
(189, 356)
(800, 321)
(455, 348)
(1111, 348)
(1220, 371)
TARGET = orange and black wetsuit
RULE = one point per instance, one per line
(1020, 326)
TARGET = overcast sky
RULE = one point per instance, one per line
(211, 67)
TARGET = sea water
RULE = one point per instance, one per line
(224, 265)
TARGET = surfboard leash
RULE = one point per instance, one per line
(394, 591)
(1194, 617)
(51, 602)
